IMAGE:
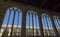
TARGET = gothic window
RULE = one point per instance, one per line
(47, 25)
(57, 23)
(32, 24)
(13, 20)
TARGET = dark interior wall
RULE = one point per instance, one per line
(5, 5)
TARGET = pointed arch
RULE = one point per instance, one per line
(32, 24)
(12, 20)
(57, 23)
(47, 25)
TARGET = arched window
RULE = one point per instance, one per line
(32, 24)
(57, 23)
(13, 21)
(47, 25)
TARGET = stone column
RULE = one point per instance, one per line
(1, 18)
(40, 24)
(23, 30)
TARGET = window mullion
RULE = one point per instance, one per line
(47, 24)
(29, 23)
(32, 23)
(43, 21)
(36, 25)
(13, 23)
(17, 22)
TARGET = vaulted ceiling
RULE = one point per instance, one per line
(52, 5)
